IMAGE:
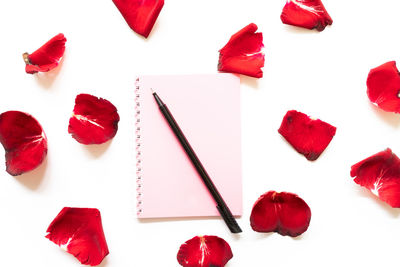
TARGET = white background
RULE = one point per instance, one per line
(321, 74)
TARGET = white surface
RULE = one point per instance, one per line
(322, 74)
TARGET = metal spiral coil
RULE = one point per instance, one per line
(138, 152)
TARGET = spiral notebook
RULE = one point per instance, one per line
(207, 108)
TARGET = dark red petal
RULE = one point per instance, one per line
(204, 251)
(24, 141)
(383, 85)
(140, 14)
(380, 174)
(308, 136)
(94, 120)
(242, 54)
(46, 57)
(308, 14)
(80, 232)
(284, 213)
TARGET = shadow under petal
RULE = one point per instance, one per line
(34, 178)
(153, 31)
(299, 237)
(249, 81)
(46, 79)
(97, 150)
(103, 263)
(264, 235)
(299, 30)
(394, 212)
(391, 118)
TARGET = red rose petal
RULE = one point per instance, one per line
(308, 136)
(140, 14)
(24, 141)
(284, 213)
(80, 232)
(380, 174)
(94, 120)
(242, 54)
(308, 14)
(383, 85)
(46, 57)
(204, 251)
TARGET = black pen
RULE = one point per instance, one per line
(221, 205)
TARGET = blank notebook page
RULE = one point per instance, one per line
(207, 109)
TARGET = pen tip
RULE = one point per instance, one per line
(152, 91)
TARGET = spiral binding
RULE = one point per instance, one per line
(138, 152)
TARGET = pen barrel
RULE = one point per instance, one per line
(229, 219)
(221, 205)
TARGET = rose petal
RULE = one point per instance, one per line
(94, 120)
(308, 136)
(242, 54)
(80, 232)
(383, 85)
(308, 14)
(46, 57)
(284, 213)
(140, 14)
(24, 141)
(204, 251)
(380, 174)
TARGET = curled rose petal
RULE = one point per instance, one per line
(24, 141)
(204, 251)
(242, 54)
(380, 174)
(383, 85)
(140, 14)
(308, 136)
(46, 57)
(284, 213)
(309, 14)
(79, 231)
(94, 120)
